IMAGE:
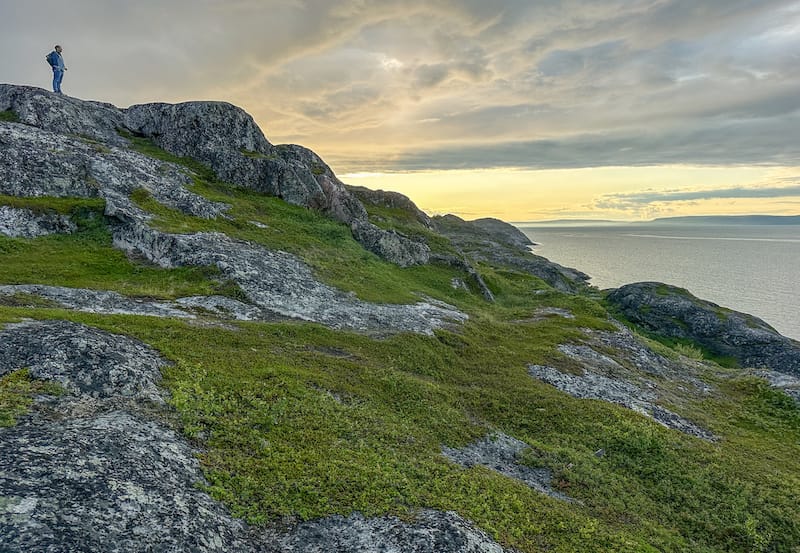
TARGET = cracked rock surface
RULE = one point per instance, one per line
(595, 386)
(280, 282)
(431, 532)
(501, 453)
(24, 223)
(91, 470)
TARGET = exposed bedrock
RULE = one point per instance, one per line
(227, 139)
(281, 283)
(503, 454)
(430, 532)
(500, 243)
(674, 313)
(96, 470)
(84, 360)
(37, 162)
(24, 223)
(92, 470)
(219, 134)
(591, 385)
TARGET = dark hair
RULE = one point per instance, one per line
(56, 46)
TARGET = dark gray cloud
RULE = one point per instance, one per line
(639, 199)
(438, 84)
(753, 141)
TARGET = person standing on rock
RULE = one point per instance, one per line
(56, 62)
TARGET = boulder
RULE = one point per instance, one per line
(674, 313)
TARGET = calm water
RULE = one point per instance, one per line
(754, 269)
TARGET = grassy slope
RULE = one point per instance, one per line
(296, 419)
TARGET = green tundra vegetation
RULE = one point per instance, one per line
(295, 419)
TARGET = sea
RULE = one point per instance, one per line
(750, 268)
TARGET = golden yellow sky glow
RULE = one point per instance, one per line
(533, 195)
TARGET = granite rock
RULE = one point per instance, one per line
(591, 385)
(24, 223)
(502, 453)
(430, 532)
(673, 312)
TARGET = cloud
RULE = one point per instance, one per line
(438, 84)
(637, 200)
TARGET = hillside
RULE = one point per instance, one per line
(209, 343)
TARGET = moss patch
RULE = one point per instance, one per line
(9, 116)
(17, 390)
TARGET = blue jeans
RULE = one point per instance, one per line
(58, 75)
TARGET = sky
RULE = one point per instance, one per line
(519, 109)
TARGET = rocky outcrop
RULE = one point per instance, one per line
(37, 162)
(64, 115)
(24, 223)
(227, 139)
(97, 469)
(392, 200)
(503, 454)
(216, 133)
(499, 243)
(429, 532)
(591, 385)
(92, 470)
(391, 245)
(674, 313)
(277, 281)
(503, 232)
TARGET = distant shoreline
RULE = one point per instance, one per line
(693, 220)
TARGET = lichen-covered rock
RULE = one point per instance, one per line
(502, 244)
(430, 532)
(84, 360)
(674, 313)
(502, 453)
(97, 301)
(36, 162)
(216, 133)
(393, 200)
(93, 470)
(227, 139)
(62, 114)
(279, 282)
(24, 223)
(106, 482)
(613, 390)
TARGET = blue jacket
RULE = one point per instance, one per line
(55, 60)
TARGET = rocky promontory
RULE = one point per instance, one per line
(674, 313)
